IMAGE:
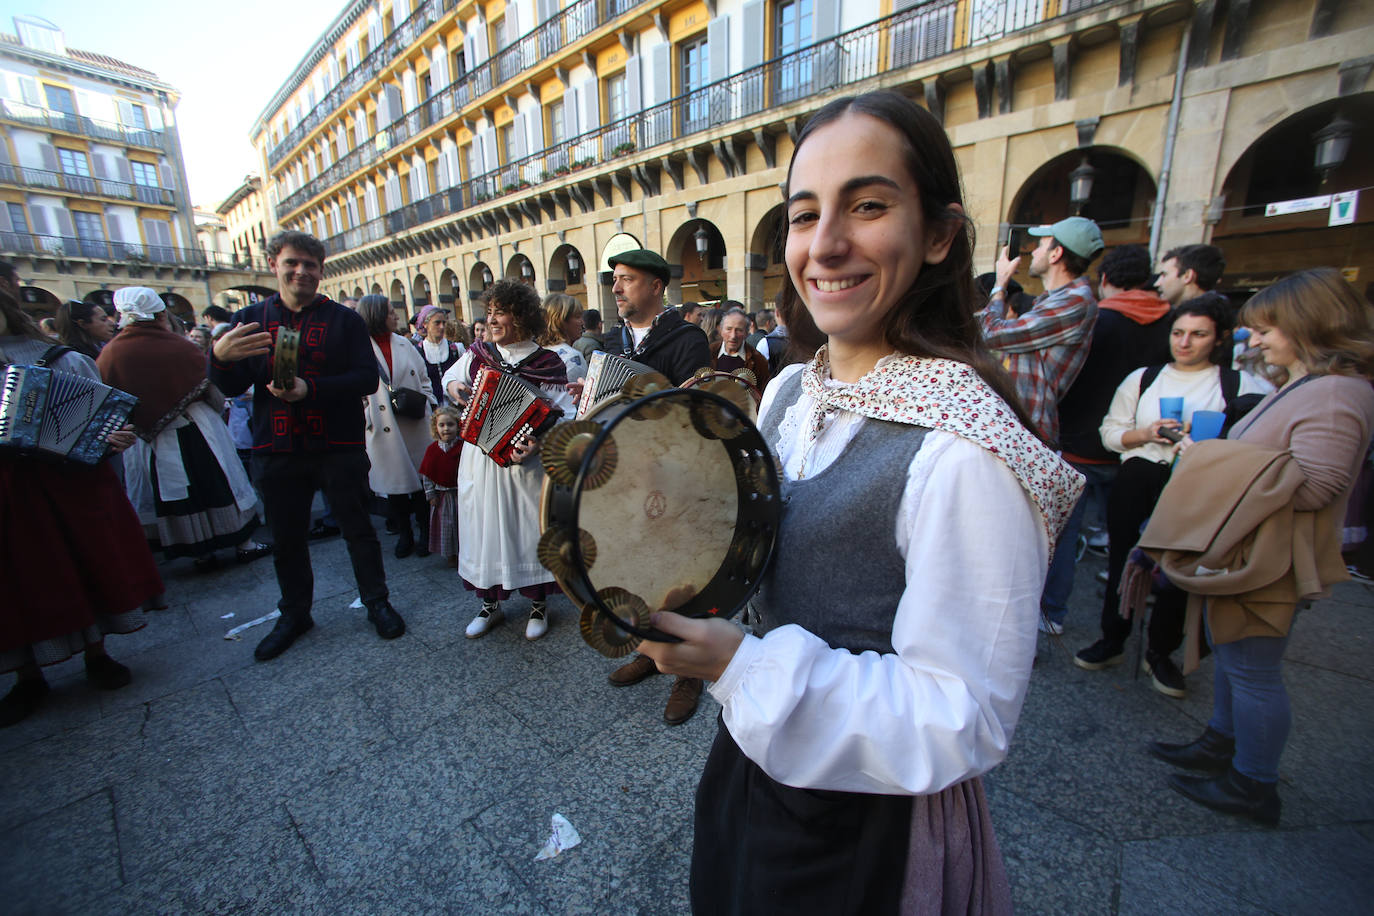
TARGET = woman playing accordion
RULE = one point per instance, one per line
(498, 507)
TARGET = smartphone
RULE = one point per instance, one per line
(1014, 238)
(1173, 435)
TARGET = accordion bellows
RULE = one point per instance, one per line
(606, 376)
(58, 414)
(502, 408)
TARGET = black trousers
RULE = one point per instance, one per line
(1133, 498)
(288, 484)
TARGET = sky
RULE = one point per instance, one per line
(227, 59)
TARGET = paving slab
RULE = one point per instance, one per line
(419, 775)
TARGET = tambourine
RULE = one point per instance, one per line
(659, 500)
(722, 383)
(286, 358)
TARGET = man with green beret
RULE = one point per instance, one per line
(661, 339)
(652, 334)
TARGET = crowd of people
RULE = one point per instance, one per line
(940, 446)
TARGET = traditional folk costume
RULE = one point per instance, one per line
(438, 359)
(184, 474)
(889, 676)
(439, 475)
(498, 508)
(75, 565)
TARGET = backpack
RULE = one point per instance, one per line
(1235, 405)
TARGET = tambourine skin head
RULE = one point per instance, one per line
(688, 525)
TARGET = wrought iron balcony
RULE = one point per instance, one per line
(47, 119)
(898, 41)
(86, 185)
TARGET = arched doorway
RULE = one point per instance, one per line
(566, 273)
(520, 268)
(768, 270)
(38, 301)
(1120, 195)
(1280, 213)
(700, 248)
(419, 291)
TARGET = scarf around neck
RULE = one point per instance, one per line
(951, 396)
(542, 367)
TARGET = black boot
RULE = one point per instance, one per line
(383, 616)
(1210, 752)
(282, 636)
(1232, 793)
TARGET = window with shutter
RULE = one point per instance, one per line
(60, 99)
(91, 233)
(695, 74)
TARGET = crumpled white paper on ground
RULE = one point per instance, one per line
(564, 836)
(234, 633)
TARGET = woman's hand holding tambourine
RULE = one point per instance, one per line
(706, 648)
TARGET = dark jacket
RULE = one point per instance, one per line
(674, 346)
(588, 343)
(338, 367)
(778, 345)
(753, 361)
(1128, 334)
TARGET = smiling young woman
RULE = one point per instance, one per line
(860, 715)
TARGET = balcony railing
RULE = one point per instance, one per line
(86, 185)
(102, 250)
(898, 41)
(401, 38)
(550, 36)
(47, 119)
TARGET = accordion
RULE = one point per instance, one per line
(606, 375)
(503, 407)
(59, 415)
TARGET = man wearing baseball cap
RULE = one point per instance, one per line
(660, 338)
(652, 334)
(1043, 350)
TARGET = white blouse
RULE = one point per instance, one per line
(943, 707)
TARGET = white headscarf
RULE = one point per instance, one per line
(137, 303)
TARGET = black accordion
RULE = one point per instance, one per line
(58, 415)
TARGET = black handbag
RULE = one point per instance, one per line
(406, 402)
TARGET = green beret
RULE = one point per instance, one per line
(642, 259)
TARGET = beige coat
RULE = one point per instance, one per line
(1254, 523)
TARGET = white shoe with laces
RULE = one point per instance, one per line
(481, 624)
(539, 624)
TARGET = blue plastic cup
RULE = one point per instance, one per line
(1171, 409)
(1207, 424)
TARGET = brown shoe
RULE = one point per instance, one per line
(682, 700)
(632, 672)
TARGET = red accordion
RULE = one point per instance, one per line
(502, 408)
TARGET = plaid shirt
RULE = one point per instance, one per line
(1045, 348)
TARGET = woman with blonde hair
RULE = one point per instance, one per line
(1317, 339)
(564, 314)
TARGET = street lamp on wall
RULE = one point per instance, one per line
(527, 271)
(1081, 186)
(487, 278)
(1333, 143)
(703, 241)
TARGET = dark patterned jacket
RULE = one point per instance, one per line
(337, 364)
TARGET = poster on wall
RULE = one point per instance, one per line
(1343, 206)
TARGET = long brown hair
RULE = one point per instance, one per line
(558, 308)
(935, 317)
(69, 330)
(1329, 326)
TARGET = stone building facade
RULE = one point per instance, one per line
(438, 145)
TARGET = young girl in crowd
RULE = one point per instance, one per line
(439, 475)
(897, 621)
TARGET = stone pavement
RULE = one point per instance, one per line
(353, 775)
